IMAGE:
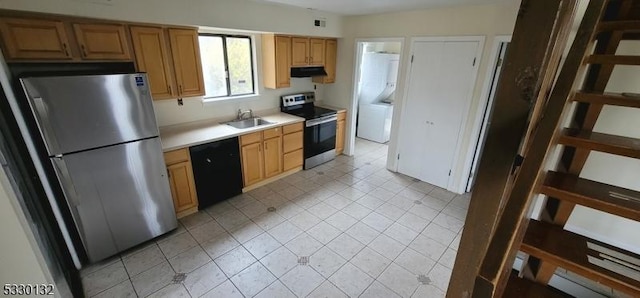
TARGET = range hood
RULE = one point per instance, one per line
(310, 71)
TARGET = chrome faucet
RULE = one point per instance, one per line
(242, 113)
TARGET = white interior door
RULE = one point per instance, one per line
(440, 89)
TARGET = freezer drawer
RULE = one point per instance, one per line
(119, 196)
(76, 113)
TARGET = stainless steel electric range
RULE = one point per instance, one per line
(320, 127)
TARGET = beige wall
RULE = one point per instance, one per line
(20, 262)
(485, 20)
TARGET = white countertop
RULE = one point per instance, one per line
(186, 135)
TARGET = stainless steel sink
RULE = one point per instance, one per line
(247, 123)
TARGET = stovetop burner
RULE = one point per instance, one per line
(302, 105)
(311, 112)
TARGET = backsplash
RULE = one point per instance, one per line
(168, 112)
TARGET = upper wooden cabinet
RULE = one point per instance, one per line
(316, 51)
(187, 63)
(276, 61)
(299, 51)
(35, 39)
(152, 56)
(171, 59)
(27, 39)
(102, 41)
(307, 51)
(330, 61)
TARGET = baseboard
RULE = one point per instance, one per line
(187, 212)
(272, 179)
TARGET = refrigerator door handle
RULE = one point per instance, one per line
(42, 113)
(65, 180)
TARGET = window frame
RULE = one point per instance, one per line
(226, 64)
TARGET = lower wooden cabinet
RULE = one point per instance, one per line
(269, 153)
(340, 132)
(292, 146)
(181, 182)
(272, 156)
(252, 163)
(261, 155)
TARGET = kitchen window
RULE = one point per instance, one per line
(227, 65)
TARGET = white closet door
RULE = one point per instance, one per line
(440, 89)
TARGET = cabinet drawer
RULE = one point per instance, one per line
(251, 138)
(292, 141)
(342, 116)
(272, 132)
(176, 156)
(293, 160)
(292, 128)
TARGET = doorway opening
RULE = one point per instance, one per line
(376, 71)
(499, 51)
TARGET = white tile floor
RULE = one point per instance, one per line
(348, 228)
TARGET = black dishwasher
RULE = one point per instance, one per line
(217, 171)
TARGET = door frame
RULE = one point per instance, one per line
(482, 109)
(350, 134)
(455, 183)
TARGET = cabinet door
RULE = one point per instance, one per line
(152, 56)
(331, 52)
(185, 51)
(299, 51)
(316, 51)
(272, 157)
(34, 39)
(340, 127)
(182, 187)
(102, 41)
(331, 56)
(283, 61)
(252, 163)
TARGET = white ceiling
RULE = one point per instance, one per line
(363, 7)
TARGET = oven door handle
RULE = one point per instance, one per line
(322, 120)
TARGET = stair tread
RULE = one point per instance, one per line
(614, 99)
(602, 142)
(626, 25)
(570, 251)
(614, 59)
(608, 198)
(524, 288)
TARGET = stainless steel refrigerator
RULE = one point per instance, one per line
(102, 140)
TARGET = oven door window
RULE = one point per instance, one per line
(319, 138)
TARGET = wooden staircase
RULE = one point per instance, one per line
(545, 241)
